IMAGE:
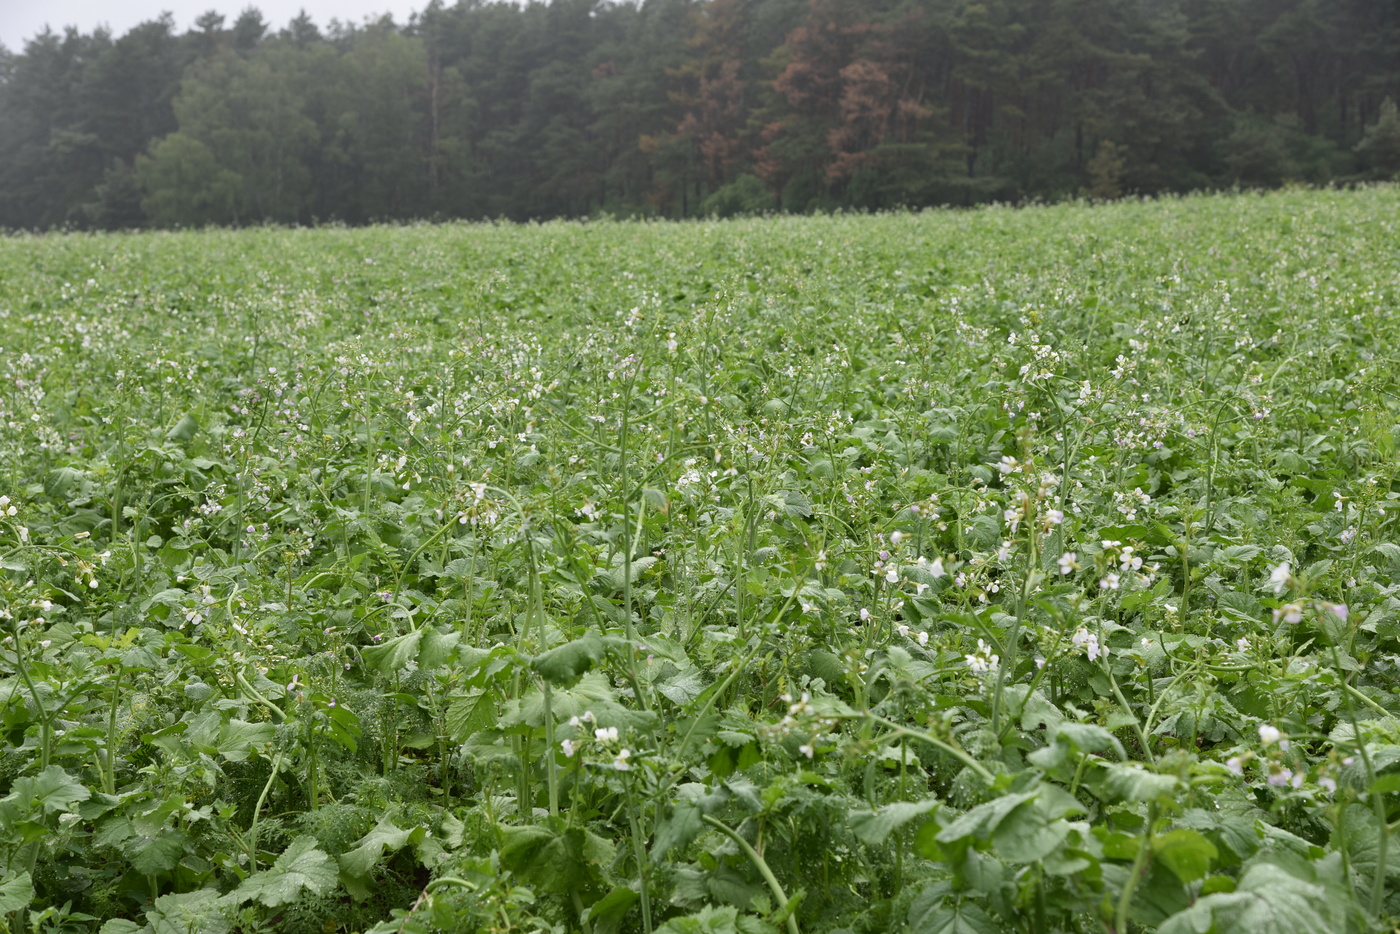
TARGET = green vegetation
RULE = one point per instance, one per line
(677, 108)
(1005, 570)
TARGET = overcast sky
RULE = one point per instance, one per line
(24, 19)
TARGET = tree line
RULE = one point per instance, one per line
(685, 107)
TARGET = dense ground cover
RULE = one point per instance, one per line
(1004, 570)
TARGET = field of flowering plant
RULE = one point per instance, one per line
(951, 573)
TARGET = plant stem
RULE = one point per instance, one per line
(640, 853)
(109, 775)
(957, 753)
(1144, 855)
(761, 865)
(257, 812)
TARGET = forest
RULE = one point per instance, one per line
(676, 108)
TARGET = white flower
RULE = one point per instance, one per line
(1054, 517)
(1268, 734)
(1242, 644)
(1090, 642)
(896, 537)
(1289, 613)
(983, 660)
(1280, 577)
(864, 615)
(607, 734)
(620, 761)
(806, 750)
(1127, 561)
(892, 575)
(568, 747)
(936, 568)
(1068, 561)
(1235, 764)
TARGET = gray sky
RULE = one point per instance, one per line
(23, 19)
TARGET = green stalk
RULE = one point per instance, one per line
(761, 865)
(277, 715)
(537, 610)
(1137, 724)
(1144, 855)
(631, 627)
(257, 812)
(45, 728)
(640, 853)
(957, 753)
(1011, 648)
(1377, 802)
(109, 774)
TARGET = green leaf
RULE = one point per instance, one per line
(1267, 898)
(708, 920)
(393, 655)
(437, 648)
(982, 820)
(301, 866)
(682, 687)
(930, 915)
(1158, 896)
(1186, 853)
(469, 713)
(201, 910)
(52, 790)
(1073, 739)
(155, 851)
(606, 914)
(1237, 834)
(1358, 834)
(565, 665)
(16, 892)
(368, 850)
(238, 738)
(554, 860)
(61, 482)
(121, 926)
(873, 827)
(677, 829)
(1132, 782)
(185, 429)
(1027, 834)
